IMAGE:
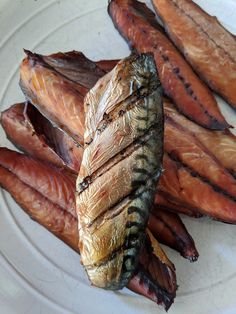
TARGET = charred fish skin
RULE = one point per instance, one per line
(120, 168)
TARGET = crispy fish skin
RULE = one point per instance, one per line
(56, 97)
(189, 187)
(204, 42)
(32, 133)
(63, 224)
(116, 184)
(173, 232)
(190, 95)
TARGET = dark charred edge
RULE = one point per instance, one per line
(41, 195)
(123, 154)
(187, 248)
(163, 297)
(195, 174)
(78, 139)
(35, 58)
(215, 124)
(202, 146)
(200, 26)
(192, 211)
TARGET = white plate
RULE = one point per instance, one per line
(39, 274)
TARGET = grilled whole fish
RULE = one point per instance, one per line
(32, 133)
(120, 168)
(155, 275)
(190, 95)
(204, 42)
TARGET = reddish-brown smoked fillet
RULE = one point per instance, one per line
(205, 43)
(173, 234)
(191, 96)
(158, 285)
(221, 144)
(34, 134)
(190, 188)
(53, 183)
(57, 97)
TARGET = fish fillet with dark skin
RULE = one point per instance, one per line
(138, 26)
(204, 42)
(120, 168)
(154, 277)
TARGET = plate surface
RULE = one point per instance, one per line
(39, 274)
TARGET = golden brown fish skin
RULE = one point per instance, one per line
(58, 98)
(169, 229)
(204, 42)
(117, 226)
(180, 181)
(32, 133)
(63, 224)
(190, 95)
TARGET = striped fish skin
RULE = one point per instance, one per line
(119, 170)
(204, 42)
(137, 24)
(155, 275)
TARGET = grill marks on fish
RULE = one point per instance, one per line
(208, 38)
(118, 184)
(193, 98)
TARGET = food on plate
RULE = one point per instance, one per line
(56, 97)
(119, 170)
(205, 43)
(191, 96)
(173, 232)
(189, 187)
(49, 206)
(32, 133)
